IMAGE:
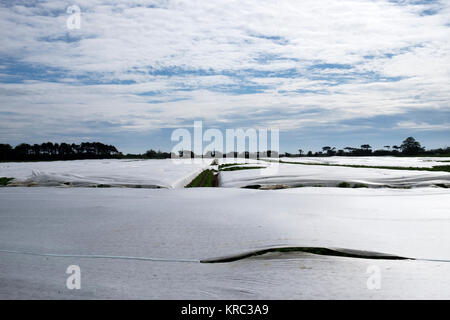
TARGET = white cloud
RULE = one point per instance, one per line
(422, 125)
(123, 40)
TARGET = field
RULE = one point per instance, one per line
(162, 229)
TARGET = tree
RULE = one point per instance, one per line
(387, 147)
(300, 151)
(151, 154)
(36, 150)
(56, 151)
(329, 150)
(350, 149)
(5, 151)
(366, 147)
(189, 154)
(411, 147)
(64, 150)
(22, 150)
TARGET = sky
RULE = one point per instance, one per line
(323, 72)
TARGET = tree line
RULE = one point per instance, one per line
(57, 151)
(49, 151)
(409, 147)
(96, 150)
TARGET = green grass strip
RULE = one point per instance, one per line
(226, 165)
(204, 179)
(4, 181)
(434, 168)
(313, 250)
(241, 168)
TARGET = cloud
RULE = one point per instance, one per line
(422, 125)
(143, 65)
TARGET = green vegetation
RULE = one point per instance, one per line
(344, 185)
(226, 165)
(360, 185)
(253, 186)
(441, 168)
(241, 168)
(409, 147)
(54, 151)
(313, 250)
(237, 166)
(205, 179)
(445, 168)
(335, 253)
(4, 181)
(398, 187)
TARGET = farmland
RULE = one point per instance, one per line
(304, 234)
